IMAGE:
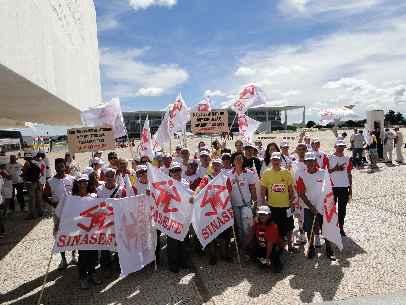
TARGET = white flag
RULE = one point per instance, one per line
(162, 136)
(172, 211)
(86, 223)
(212, 213)
(145, 147)
(250, 96)
(330, 228)
(178, 115)
(135, 235)
(247, 127)
(335, 115)
(106, 114)
(204, 105)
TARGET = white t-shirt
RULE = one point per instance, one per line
(299, 168)
(244, 180)
(312, 184)
(357, 140)
(165, 170)
(59, 189)
(340, 178)
(141, 188)
(202, 171)
(286, 161)
(103, 192)
(399, 138)
(14, 169)
(322, 158)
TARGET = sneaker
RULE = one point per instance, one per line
(330, 254)
(311, 252)
(74, 261)
(301, 239)
(84, 284)
(62, 265)
(317, 241)
(94, 280)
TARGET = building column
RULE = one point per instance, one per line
(304, 116)
(267, 121)
(286, 119)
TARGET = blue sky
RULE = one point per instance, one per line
(318, 53)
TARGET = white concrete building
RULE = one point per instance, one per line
(49, 60)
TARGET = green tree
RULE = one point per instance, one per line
(310, 124)
(390, 117)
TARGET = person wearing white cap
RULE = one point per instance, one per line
(166, 163)
(309, 188)
(286, 160)
(265, 240)
(185, 156)
(141, 185)
(87, 258)
(250, 160)
(55, 191)
(322, 158)
(340, 167)
(97, 165)
(277, 191)
(178, 256)
(204, 166)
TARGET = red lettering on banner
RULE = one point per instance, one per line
(217, 223)
(166, 195)
(85, 239)
(212, 196)
(329, 206)
(167, 223)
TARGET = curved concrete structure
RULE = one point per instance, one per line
(49, 60)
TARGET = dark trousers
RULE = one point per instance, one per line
(18, 190)
(178, 255)
(357, 156)
(158, 247)
(2, 229)
(87, 263)
(341, 196)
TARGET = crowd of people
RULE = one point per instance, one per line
(274, 194)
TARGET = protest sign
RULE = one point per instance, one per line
(86, 223)
(90, 139)
(172, 211)
(212, 213)
(204, 122)
(135, 235)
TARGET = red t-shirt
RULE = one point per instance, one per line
(264, 233)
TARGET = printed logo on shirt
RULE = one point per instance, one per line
(279, 188)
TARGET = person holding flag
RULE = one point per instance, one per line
(309, 187)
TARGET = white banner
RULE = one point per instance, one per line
(330, 228)
(212, 213)
(247, 128)
(250, 96)
(178, 115)
(86, 223)
(162, 135)
(135, 236)
(172, 211)
(145, 148)
(106, 114)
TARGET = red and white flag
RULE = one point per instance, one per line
(178, 116)
(86, 223)
(162, 136)
(212, 213)
(247, 128)
(172, 211)
(106, 114)
(135, 235)
(250, 96)
(204, 105)
(330, 228)
(145, 148)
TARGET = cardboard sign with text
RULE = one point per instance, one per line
(90, 139)
(204, 122)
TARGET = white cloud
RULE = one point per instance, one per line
(361, 66)
(245, 71)
(214, 93)
(144, 4)
(149, 92)
(315, 7)
(125, 74)
(107, 23)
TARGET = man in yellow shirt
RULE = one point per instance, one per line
(277, 191)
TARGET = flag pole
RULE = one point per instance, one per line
(236, 247)
(312, 231)
(45, 279)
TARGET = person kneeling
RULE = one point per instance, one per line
(265, 240)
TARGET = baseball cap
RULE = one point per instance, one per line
(340, 143)
(178, 147)
(316, 140)
(88, 170)
(98, 161)
(218, 161)
(108, 170)
(264, 209)
(276, 155)
(246, 145)
(175, 165)
(141, 168)
(284, 144)
(82, 177)
(309, 156)
(226, 156)
(204, 153)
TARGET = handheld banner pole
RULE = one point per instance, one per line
(45, 279)
(236, 247)
(312, 230)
